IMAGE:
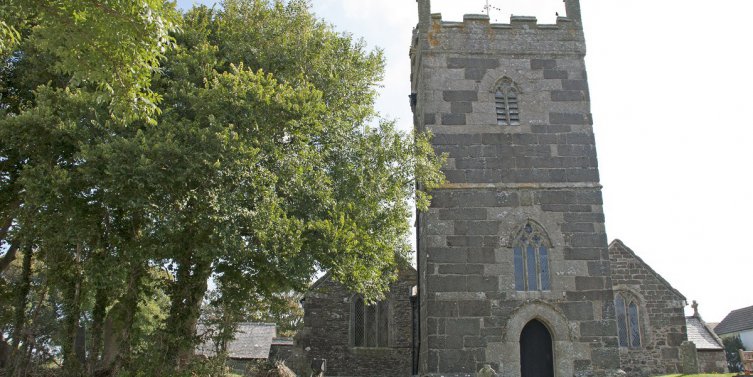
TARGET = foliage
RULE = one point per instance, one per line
(253, 156)
(701, 375)
(732, 345)
(114, 45)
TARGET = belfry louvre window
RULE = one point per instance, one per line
(506, 100)
(531, 259)
(628, 324)
(369, 323)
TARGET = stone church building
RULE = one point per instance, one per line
(513, 268)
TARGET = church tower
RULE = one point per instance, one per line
(512, 255)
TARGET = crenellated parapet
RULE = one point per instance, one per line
(476, 34)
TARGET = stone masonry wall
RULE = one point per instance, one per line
(661, 313)
(326, 332)
(712, 361)
(500, 177)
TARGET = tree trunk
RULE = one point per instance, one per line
(72, 309)
(101, 301)
(19, 317)
(130, 301)
(185, 309)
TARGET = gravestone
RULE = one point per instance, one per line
(688, 358)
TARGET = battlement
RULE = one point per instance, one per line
(516, 22)
(476, 34)
(428, 19)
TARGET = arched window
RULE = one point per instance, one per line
(369, 323)
(506, 100)
(531, 258)
(628, 321)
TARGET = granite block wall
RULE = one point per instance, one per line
(661, 313)
(327, 331)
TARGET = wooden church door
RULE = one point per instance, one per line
(536, 358)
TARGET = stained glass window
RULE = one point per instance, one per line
(544, 264)
(383, 324)
(533, 277)
(520, 272)
(635, 332)
(621, 317)
(627, 314)
(371, 326)
(531, 259)
(370, 323)
(358, 334)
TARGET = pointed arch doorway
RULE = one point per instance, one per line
(536, 357)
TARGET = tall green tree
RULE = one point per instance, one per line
(111, 44)
(280, 174)
(265, 165)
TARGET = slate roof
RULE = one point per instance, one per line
(736, 321)
(252, 341)
(701, 335)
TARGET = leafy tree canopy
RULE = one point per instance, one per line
(261, 168)
(114, 45)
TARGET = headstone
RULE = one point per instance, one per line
(688, 358)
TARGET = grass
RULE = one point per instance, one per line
(701, 375)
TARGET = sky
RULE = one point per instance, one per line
(671, 88)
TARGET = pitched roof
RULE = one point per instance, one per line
(252, 341)
(701, 335)
(735, 321)
(616, 243)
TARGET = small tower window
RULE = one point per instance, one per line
(531, 259)
(628, 324)
(506, 100)
(369, 323)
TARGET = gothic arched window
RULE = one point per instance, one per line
(506, 101)
(369, 323)
(628, 321)
(531, 258)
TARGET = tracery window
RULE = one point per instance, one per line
(531, 258)
(369, 323)
(628, 321)
(506, 100)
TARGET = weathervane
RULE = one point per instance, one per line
(488, 7)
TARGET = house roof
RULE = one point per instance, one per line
(701, 335)
(736, 321)
(252, 341)
(618, 244)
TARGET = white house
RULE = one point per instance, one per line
(738, 323)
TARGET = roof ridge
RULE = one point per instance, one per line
(737, 320)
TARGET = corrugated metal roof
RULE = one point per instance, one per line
(701, 335)
(736, 321)
(252, 341)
